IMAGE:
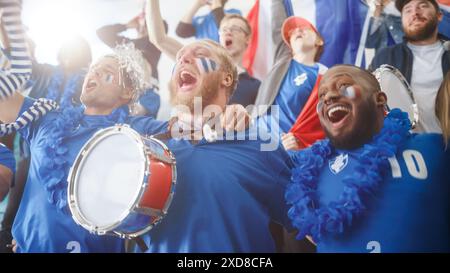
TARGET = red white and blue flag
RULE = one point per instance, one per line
(342, 23)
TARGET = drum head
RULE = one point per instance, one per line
(397, 90)
(109, 178)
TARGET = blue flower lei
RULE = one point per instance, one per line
(67, 90)
(319, 221)
(55, 163)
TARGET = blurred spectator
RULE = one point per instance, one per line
(110, 36)
(293, 80)
(422, 58)
(204, 26)
(443, 108)
(235, 35)
(385, 26)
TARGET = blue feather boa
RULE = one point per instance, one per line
(63, 92)
(301, 194)
(55, 162)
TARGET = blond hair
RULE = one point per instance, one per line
(226, 63)
(443, 108)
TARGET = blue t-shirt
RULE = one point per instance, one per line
(7, 158)
(206, 27)
(411, 210)
(39, 225)
(226, 193)
(294, 91)
(246, 90)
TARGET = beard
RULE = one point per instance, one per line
(427, 31)
(207, 91)
(362, 131)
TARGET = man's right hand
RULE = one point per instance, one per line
(5, 240)
(201, 3)
(379, 6)
(14, 245)
(133, 23)
(289, 142)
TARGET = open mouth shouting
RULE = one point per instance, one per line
(228, 42)
(91, 85)
(337, 114)
(298, 36)
(186, 81)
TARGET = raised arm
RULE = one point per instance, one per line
(278, 17)
(217, 11)
(185, 28)
(377, 35)
(156, 32)
(110, 34)
(14, 78)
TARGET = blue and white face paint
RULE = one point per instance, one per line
(206, 65)
(109, 78)
(349, 92)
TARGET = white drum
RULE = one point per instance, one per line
(121, 183)
(398, 91)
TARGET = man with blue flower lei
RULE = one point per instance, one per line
(55, 136)
(112, 84)
(371, 186)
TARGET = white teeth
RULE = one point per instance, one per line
(337, 108)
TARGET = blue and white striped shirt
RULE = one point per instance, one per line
(14, 77)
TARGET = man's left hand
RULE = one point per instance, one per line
(235, 118)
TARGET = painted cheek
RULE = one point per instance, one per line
(173, 69)
(109, 78)
(319, 106)
(350, 92)
(206, 65)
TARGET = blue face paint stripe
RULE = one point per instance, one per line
(319, 106)
(205, 64)
(213, 65)
(109, 78)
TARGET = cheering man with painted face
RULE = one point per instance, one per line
(372, 186)
(227, 190)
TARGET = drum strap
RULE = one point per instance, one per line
(182, 133)
(167, 135)
(140, 243)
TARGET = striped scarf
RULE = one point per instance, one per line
(39, 109)
(14, 77)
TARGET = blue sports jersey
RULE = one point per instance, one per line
(151, 101)
(411, 210)
(39, 226)
(226, 194)
(206, 27)
(7, 158)
(294, 91)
